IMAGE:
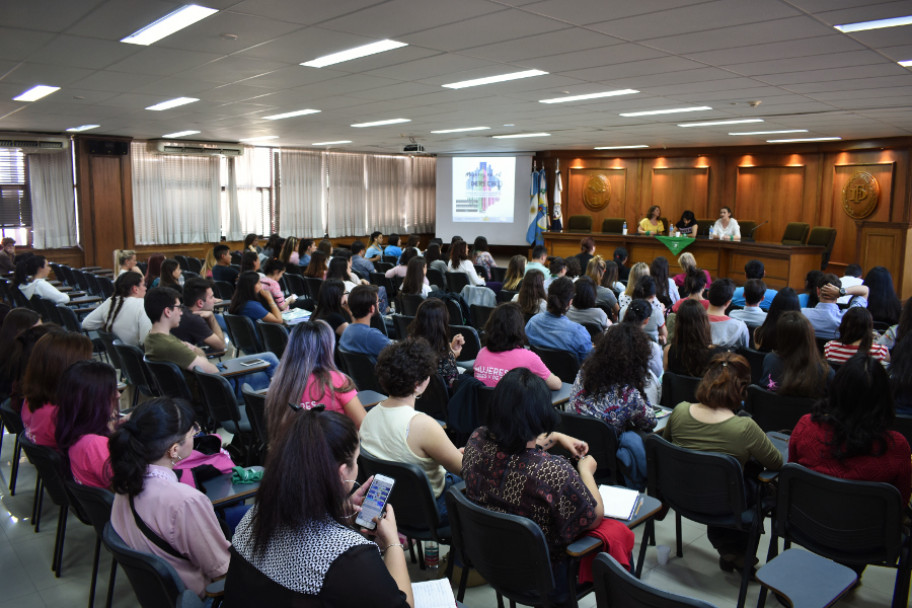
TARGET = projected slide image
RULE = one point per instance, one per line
(483, 189)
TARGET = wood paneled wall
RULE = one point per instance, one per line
(802, 183)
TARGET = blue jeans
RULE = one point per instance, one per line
(450, 481)
(256, 380)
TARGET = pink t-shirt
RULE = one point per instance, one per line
(334, 400)
(41, 425)
(490, 367)
(90, 461)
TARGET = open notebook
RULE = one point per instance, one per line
(436, 593)
(620, 503)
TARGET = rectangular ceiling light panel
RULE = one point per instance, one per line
(175, 21)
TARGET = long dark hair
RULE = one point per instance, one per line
(153, 267)
(166, 276)
(803, 367)
(27, 268)
(603, 368)
(52, 354)
(338, 269)
(560, 294)
(901, 370)
(692, 338)
(521, 410)
(432, 323)
(153, 427)
(857, 325)
(811, 282)
(515, 269)
(859, 409)
(532, 292)
(413, 283)
(784, 301)
(659, 271)
(84, 390)
(883, 304)
(317, 266)
(301, 483)
(505, 329)
(459, 251)
(244, 292)
(123, 289)
(329, 300)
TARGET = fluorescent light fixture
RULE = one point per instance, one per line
(665, 111)
(82, 128)
(795, 141)
(256, 139)
(331, 143)
(172, 22)
(621, 147)
(776, 132)
(906, 64)
(355, 53)
(179, 134)
(492, 79)
(877, 24)
(36, 93)
(714, 123)
(172, 103)
(380, 123)
(462, 130)
(303, 112)
(520, 135)
(589, 96)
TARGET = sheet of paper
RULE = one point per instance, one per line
(619, 502)
(433, 594)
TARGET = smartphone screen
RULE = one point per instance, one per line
(375, 501)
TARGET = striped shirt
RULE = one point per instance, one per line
(837, 352)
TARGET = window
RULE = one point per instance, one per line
(15, 204)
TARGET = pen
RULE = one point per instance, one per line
(636, 510)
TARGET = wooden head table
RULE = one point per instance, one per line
(786, 265)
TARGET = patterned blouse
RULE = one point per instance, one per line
(448, 369)
(619, 405)
(483, 258)
(534, 484)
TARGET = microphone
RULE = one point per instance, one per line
(754, 229)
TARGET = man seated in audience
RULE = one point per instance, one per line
(222, 271)
(8, 255)
(198, 324)
(751, 314)
(754, 270)
(726, 332)
(853, 276)
(359, 263)
(392, 248)
(826, 316)
(539, 259)
(359, 336)
(164, 309)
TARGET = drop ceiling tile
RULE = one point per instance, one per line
(207, 35)
(582, 12)
(290, 77)
(786, 49)
(300, 12)
(800, 64)
(439, 65)
(890, 36)
(40, 73)
(306, 44)
(872, 96)
(104, 80)
(19, 44)
(867, 11)
(399, 17)
(342, 86)
(596, 58)
(162, 62)
(637, 70)
(902, 52)
(395, 91)
(841, 74)
(488, 29)
(546, 44)
(174, 86)
(735, 37)
(46, 15)
(115, 19)
(82, 52)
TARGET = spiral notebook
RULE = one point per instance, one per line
(620, 503)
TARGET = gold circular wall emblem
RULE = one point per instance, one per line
(596, 193)
(860, 195)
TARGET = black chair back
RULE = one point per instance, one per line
(480, 315)
(134, 369)
(106, 284)
(755, 358)
(433, 401)
(155, 582)
(107, 339)
(602, 440)
(409, 303)
(472, 341)
(195, 265)
(296, 284)
(244, 333)
(903, 425)
(454, 311)
(256, 412)
(275, 337)
(677, 388)
(391, 285)
(169, 379)
(774, 412)
(223, 290)
(435, 277)
(401, 323)
(505, 295)
(13, 423)
(95, 503)
(595, 330)
(361, 369)
(313, 286)
(562, 363)
(456, 281)
(382, 267)
(224, 409)
(614, 586)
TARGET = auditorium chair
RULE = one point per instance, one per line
(704, 224)
(796, 233)
(579, 223)
(613, 225)
(747, 229)
(824, 237)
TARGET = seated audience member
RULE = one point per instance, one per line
(317, 267)
(611, 387)
(856, 336)
(401, 268)
(901, 375)
(687, 225)
(691, 347)
(222, 271)
(359, 263)
(553, 329)
(573, 269)
(394, 431)
(694, 286)
(645, 289)
(752, 294)
(163, 307)
(331, 306)
(288, 254)
(31, 279)
(312, 554)
(539, 259)
(153, 268)
(209, 263)
(250, 244)
(249, 261)
(765, 335)
(273, 246)
(584, 309)
(505, 341)
(393, 249)
(727, 332)
(883, 303)
(170, 275)
(307, 376)
(516, 268)
(557, 268)
(375, 247)
(359, 336)
(666, 290)
(610, 280)
(126, 262)
(640, 269)
(52, 354)
(796, 367)
(754, 269)
(851, 277)
(460, 262)
(711, 425)
(252, 301)
(15, 322)
(847, 433)
(415, 281)
(587, 252)
(894, 333)
(14, 360)
(144, 451)
(122, 314)
(809, 299)
(826, 315)
(432, 323)
(688, 262)
(198, 323)
(306, 247)
(620, 258)
(435, 259)
(604, 295)
(272, 273)
(507, 469)
(532, 297)
(87, 413)
(326, 246)
(7, 255)
(340, 269)
(639, 314)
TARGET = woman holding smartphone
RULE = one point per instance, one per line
(297, 546)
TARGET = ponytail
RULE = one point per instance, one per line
(560, 293)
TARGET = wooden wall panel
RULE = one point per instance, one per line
(847, 228)
(108, 210)
(676, 189)
(617, 202)
(771, 193)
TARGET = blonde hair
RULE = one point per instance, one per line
(687, 261)
(640, 269)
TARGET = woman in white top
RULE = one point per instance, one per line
(726, 227)
(394, 431)
(415, 281)
(123, 314)
(640, 269)
(31, 278)
(460, 262)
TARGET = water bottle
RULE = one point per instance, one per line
(431, 555)
(671, 230)
(624, 229)
(710, 232)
